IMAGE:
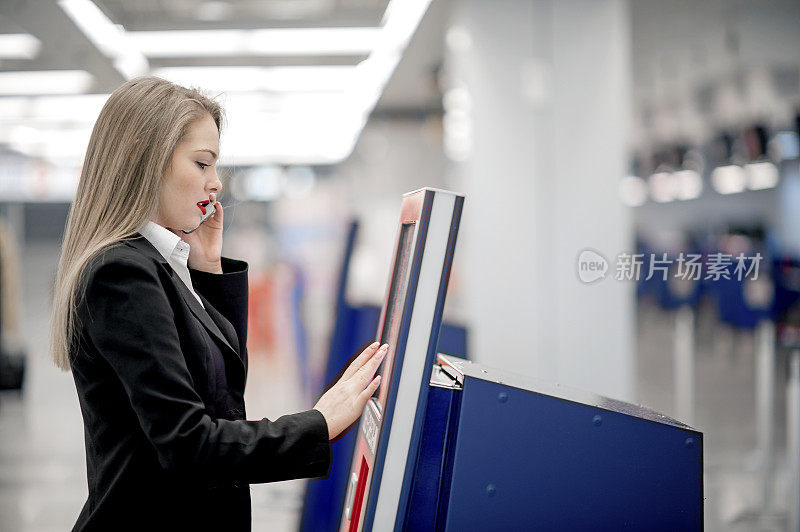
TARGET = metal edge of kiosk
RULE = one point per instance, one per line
(458, 368)
(391, 424)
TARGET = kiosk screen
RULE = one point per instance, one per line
(394, 306)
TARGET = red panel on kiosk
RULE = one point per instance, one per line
(362, 485)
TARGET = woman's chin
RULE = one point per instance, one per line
(192, 225)
(179, 228)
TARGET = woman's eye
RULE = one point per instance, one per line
(202, 165)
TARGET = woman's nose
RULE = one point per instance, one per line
(215, 185)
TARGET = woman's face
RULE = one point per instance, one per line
(191, 177)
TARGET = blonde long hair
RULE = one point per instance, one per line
(128, 154)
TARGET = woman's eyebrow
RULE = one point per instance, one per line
(212, 152)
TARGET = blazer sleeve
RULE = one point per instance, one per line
(131, 325)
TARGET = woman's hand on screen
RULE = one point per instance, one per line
(343, 403)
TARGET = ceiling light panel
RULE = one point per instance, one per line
(286, 115)
(271, 79)
(45, 82)
(77, 108)
(186, 14)
(109, 38)
(19, 46)
(278, 41)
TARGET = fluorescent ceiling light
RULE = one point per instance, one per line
(247, 103)
(400, 21)
(761, 175)
(79, 108)
(250, 79)
(19, 46)
(457, 99)
(264, 183)
(277, 41)
(45, 82)
(662, 187)
(689, 184)
(110, 39)
(376, 70)
(64, 144)
(729, 179)
(14, 108)
(458, 39)
(276, 115)
(300, 181)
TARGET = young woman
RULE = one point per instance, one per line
(152, 322)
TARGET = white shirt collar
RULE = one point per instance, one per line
(174, 250)
(164, 240)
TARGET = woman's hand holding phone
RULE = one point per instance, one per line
(205, 242)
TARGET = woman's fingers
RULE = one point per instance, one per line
(219, 214)
(368, 370)
(364, 396)
(365, 355)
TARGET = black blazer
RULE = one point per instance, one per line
(160, 382)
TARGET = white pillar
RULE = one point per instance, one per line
(549, 84)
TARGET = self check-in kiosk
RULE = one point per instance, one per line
(354, 327)
(449, 445)
(392, 420)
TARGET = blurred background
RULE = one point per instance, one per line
(649, 134)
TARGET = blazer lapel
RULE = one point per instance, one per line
(222, 322)
(199, 312)
(143, 245)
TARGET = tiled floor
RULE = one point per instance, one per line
(42, 475)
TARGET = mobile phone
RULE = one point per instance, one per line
(210, 210)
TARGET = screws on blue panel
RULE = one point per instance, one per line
(491, 491)
(502, 397)
(689, 442)
(597, 420)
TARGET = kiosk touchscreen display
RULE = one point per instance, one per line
(394, 307)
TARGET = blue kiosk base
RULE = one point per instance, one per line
(505, 452)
